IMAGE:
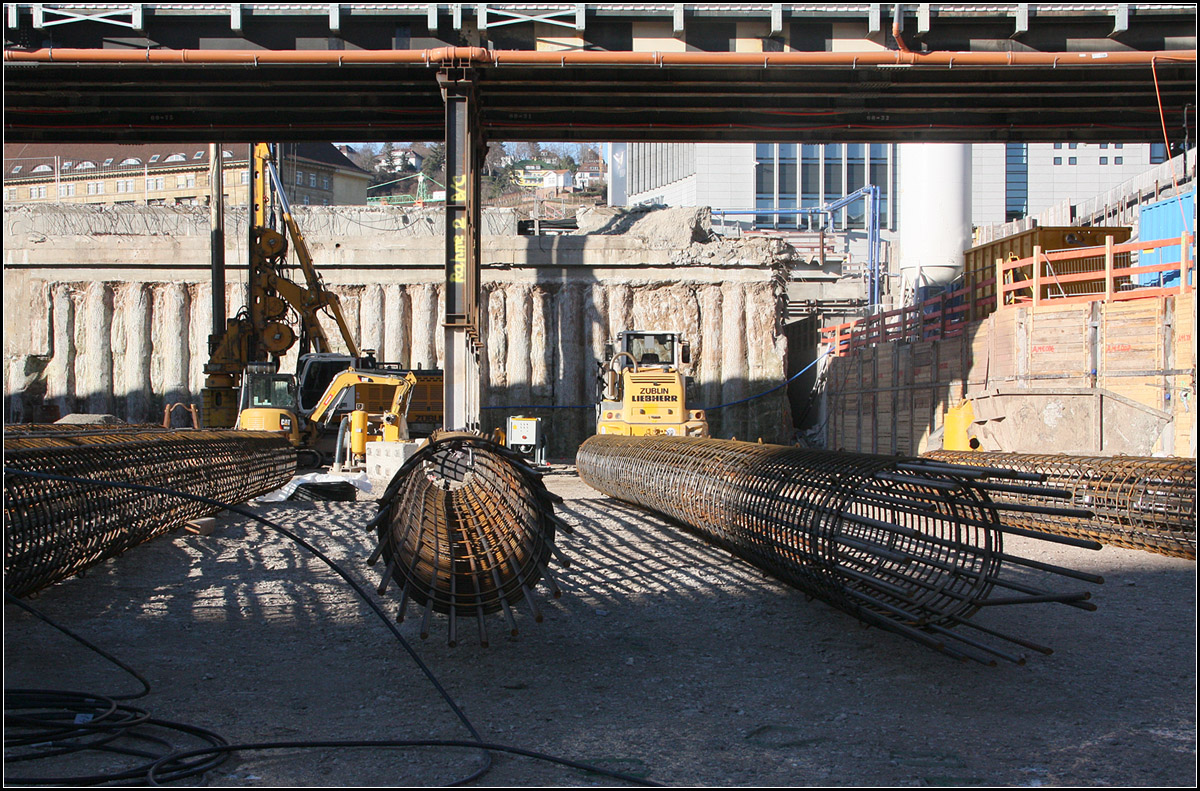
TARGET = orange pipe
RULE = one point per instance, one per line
(478, 56)
(896, 30)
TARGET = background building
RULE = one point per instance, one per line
(1008, 181)
(171, 174)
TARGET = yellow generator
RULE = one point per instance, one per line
(642, 392)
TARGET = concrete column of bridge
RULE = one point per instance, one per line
(464, 157)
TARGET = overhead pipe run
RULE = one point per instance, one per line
(461, 57)
(910, 545)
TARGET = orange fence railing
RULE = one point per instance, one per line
(1091, 274)
(1079, 275)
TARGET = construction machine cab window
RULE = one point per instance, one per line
(316, 377)
(275, 391)
(651, 349)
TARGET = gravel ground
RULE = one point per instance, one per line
(664, 659)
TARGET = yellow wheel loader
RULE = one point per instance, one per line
(641, 389)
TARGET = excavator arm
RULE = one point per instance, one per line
(352, 377)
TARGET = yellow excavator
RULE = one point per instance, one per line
(641, 389)
(372, 405)
(253, 342)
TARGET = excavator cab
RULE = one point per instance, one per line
(268, 402)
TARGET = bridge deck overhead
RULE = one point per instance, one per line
(586, 72)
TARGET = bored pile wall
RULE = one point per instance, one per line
(130, 336)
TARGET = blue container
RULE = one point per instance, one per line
(1163, 220)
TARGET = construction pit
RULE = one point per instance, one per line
(665, 659)
(643, 653)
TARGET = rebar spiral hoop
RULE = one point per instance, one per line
(1139, 502)
(911, 545)
(466, 528)
(54, 529)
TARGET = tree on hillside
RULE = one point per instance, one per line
(532, 151)
(435, 163)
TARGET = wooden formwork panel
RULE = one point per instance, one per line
(843, 374)
(1132, 336)
(921, 354)
(922, 411)
(1002, 346)
(885, 363)
(1148, 390)
(866, 424)
(1185, 326)
(1058, 340)
(978, 336)
(942, 401)
(949, 360)
(904, 421)
(866, 371)
(885, 421)
(847, 436)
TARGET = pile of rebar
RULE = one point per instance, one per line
(466, 528)
(1139, 502)
(57, 522)
(911, 545)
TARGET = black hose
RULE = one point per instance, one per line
(152, 772)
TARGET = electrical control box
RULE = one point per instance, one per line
(525, 435)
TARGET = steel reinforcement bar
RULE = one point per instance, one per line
(466, 529)
(911, 545)
(1139, 502)
(55, 528)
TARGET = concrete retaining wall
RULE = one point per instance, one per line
(119, 323)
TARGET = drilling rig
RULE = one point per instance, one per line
(253, 342)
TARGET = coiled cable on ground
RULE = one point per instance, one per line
(171, 767)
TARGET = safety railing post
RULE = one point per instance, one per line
(1108, 269)
(1037, 275)
(1185, 254)
(999, 283)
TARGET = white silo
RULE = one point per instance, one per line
(934, 212)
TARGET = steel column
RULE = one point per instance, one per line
(464, 147)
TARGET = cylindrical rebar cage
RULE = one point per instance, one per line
(1139, 502)
(911, 546)
(466, 528)
(55, 528)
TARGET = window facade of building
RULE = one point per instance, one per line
(793, 180)
(1016, 181)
